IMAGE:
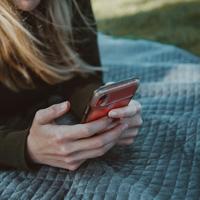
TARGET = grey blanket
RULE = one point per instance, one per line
(164, 161)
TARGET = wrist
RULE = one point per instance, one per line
(29, 154)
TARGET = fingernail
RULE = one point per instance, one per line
(112, 114)
(68, 103)
(63, 105)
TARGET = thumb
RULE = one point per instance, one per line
(47, 115)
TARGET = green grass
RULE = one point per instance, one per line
(174, 22)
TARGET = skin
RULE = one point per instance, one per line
(26, 5)
(68, 146)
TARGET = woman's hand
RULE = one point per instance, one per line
(68, 146)
(130, 115)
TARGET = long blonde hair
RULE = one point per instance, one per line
(42, 48)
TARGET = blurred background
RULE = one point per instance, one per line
(175, 22)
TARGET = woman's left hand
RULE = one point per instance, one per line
(130, 115)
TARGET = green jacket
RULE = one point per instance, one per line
(17, 110)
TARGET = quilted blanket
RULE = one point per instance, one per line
(164, 161)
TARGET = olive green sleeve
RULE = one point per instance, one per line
(13, 150)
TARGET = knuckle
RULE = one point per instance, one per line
(53, 108)
(69, 160)
(137, 121)
(58, 138)
(73, 167)
(131, 141)
(63, 151)
(128, 142)
(38, 115)
(139, 106)
(99, 143)
(85, 130)
(101, 152)
(140, 121)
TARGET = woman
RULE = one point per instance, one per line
(42, 48)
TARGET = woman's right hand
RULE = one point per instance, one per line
(68, 146)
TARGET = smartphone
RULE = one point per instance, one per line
(108, 97)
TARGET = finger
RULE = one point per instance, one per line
(47, 115)
(79, 131)
(113, 125)
(128, 111)
(64, 165)
(135, 121)
(88, 154)
(130, 133)
(76, 165)
(100, 140)
(62, 162)
(125, 142)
